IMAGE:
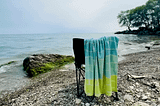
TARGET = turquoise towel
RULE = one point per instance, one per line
(101, 65)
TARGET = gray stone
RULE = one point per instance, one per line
(87, 104)
(141, 90)
(82, 104)
(137, 83)
(138, 96)
(147, 101)
(156, 84)
(127, 43)
(153, 104)
(144, 97)
(140, 104)
(131, 87)
(128, 91)
(78, 101)
(128, 98)
(137, 90)
(148, 94)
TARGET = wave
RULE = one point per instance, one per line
(2, 69)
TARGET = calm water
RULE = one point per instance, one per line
(16, 47)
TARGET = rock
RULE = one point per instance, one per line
(141, 90)
(128, 98)
(156, 84)
(158, 99)
(144, 97)
(140, 104)
(131, 87)
(137, 83)
(82, 104)
(148, 47)
(87, 104)
(128, 91)
(127, 43)
(153, 104)
(138, 96)
(78, 101)
(36, 64)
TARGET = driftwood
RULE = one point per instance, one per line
(134, 76)
(152, 85)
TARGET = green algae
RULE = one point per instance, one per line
(7, 63)
(46, 67)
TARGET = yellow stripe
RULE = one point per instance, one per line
(101, 86)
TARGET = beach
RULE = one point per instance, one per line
(16, 47)
(138, 83)
(38, 53)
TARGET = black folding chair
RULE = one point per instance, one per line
(78, 48)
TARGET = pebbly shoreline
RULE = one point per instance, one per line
(138, 84)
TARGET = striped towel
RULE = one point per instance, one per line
(101, 65)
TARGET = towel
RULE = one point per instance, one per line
(101, 66)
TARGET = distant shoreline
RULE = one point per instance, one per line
(139, 32)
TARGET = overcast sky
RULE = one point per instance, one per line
(62, 16)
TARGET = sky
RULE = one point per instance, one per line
(62, 16)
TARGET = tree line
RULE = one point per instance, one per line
(142, 17)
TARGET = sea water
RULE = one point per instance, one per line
(16, 47)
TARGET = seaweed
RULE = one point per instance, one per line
(7, 63)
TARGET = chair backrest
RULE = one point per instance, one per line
(78, 48)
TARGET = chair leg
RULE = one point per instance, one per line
(116, 96)
(77, 82)
(78, 79)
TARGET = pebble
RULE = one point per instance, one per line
(141, 90)
(138, 96)
(78, 101)
(132, 92)
(153, 104)
(156, 84)
(131, 87)
(128, 91)
(140, 104)
(87, 104)
(144, 97)
(128, 98)
(137, 83)
(82, 103)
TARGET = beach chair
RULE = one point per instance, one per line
(78, 49)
